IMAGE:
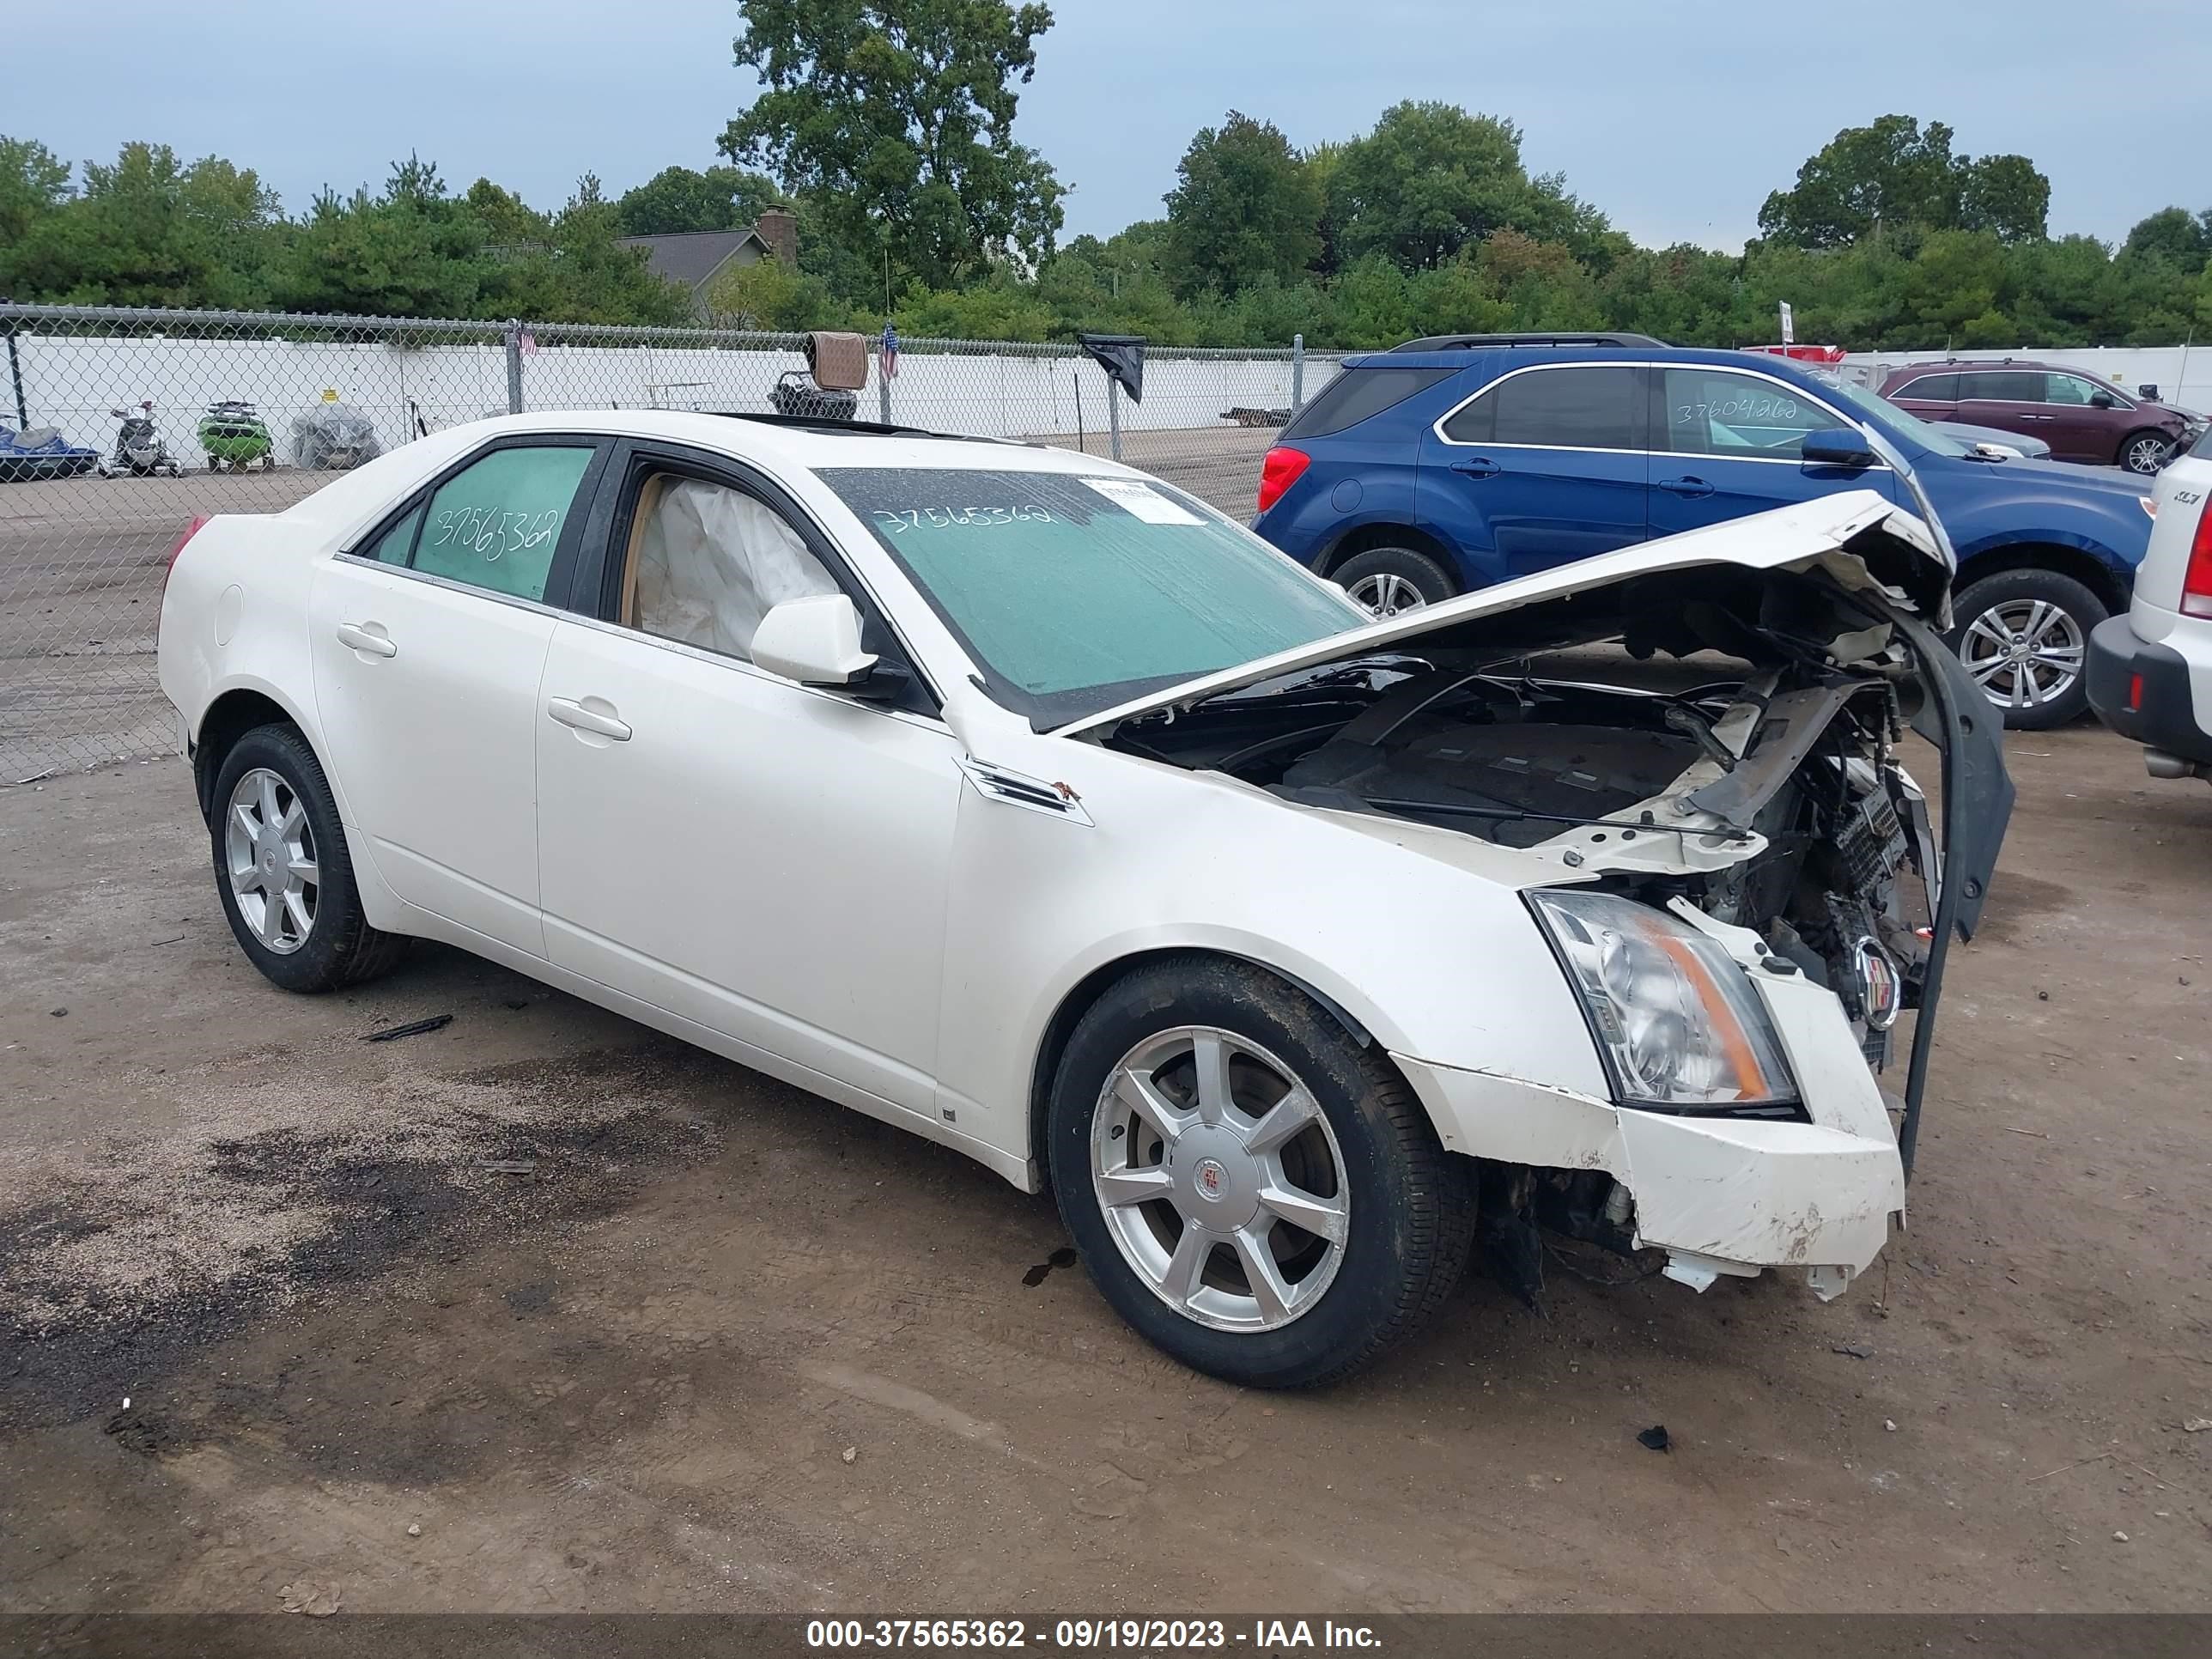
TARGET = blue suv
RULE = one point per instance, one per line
(1451, 463)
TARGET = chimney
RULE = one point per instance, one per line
(779, 227)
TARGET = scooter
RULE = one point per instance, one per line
(139, 449)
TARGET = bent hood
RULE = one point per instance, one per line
(1861, 539)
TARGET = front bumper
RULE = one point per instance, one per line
(1719, 1195)
(2141, 689)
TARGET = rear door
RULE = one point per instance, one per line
(427, 640)
(2010, 400)
(1729, 443)
(1543, 465)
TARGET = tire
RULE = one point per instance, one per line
(337, 947)
(2144, 453)
(1992, 613)
(1403, 1207)
(1388, 581)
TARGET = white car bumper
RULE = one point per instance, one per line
(1719, 1195)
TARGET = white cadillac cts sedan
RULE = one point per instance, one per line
(1014, 797)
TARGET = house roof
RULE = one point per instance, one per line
(693, 256)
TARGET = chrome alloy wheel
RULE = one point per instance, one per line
(1385, 594)
(2146, 455)
(1219, 1178)
(270, 851)
(2023, 654)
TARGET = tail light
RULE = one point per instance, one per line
(2197, 583)
(178, 546)
(1283, 468)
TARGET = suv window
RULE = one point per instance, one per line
(1931, 388)
(1359, 394)
(1574, 406)
(706, 562)
(2006, 385)
(1715, 411)
(497, 524)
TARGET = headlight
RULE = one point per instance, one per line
(1677, 1022)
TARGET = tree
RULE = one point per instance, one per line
(1892, 175)
(677, 199)
(1245, 206)
(2173, 234)
(411, 251)
(508, 220)
(585, 276)
(33, 182)
(2006, 195)
(896, 119)
(1427, 181)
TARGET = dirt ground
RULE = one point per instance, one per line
(696, 1342)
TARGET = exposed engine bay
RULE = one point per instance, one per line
(1721, 736)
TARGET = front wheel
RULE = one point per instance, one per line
(283, 871)
(1256, 1193)
(2145, 453)
(2024, 636)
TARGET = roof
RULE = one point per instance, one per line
(1478, 342)
(692, 256)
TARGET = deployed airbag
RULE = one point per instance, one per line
(712, 561)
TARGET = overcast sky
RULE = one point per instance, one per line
(1676, 117)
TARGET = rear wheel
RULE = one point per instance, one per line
(1256, 1193)
(2145, 451)
(282, 870)
(2024, 635)
(1385, 582)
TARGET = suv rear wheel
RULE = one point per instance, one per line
(1387, 580)
(2024, 635)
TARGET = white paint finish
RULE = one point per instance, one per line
(764, 859)
(812, 887)
(2155, 615)
(435, 741)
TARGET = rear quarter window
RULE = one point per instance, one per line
(1360, 394)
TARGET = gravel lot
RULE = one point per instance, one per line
(701, 1342)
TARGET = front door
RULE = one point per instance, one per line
(2079, 428)
(1729, 443)
(427, 640)
(764, 859)
(1544, 465)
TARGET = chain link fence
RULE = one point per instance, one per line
(121, 426)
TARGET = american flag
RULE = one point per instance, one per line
(887, 353)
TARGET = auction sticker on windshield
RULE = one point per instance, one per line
(1135, 497)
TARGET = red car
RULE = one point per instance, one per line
(2083, 417)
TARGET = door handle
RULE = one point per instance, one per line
(2038, 418)
(367, 636)
(1476, 467)
(566, 711)
(1688, 489)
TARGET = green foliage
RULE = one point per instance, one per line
(584, 275)
(1245, 207)
(34, 183)
(896, 121)
(1431, 180)
(677, 199)
(1890, 175)
(769, 295)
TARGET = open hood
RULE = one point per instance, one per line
(1858, 537)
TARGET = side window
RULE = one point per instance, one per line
(1932, 389)
(1715, 412)
(706, 562)
(2068, 389)
(2007, 386)
(1568, 407)
(393, 546)
(496, 524)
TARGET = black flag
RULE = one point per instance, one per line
(1123, 357)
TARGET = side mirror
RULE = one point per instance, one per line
(1840, 447)
(2149, 392)
(815, 640)
(2100, 400)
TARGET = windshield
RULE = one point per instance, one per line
(1073, 593)
(1897, 423)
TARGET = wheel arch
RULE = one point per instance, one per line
(230, 716)
(1079, 998)
(1389, 533)
(2092, 571)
